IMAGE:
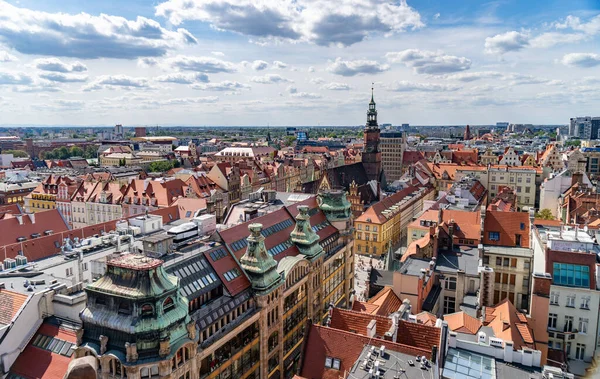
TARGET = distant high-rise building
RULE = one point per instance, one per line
(371, 156)
(392, 150)
(140, 131)
(584, 127)
(467, 135)
(503, 125)
(118, 131)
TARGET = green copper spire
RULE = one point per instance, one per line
(334, 204)
(259, 264)
(304, 237)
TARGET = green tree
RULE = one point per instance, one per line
(544, 214)
(160, 166)
(573, 142)
(289, 140)
(90, 152)
(75, 151)
(16, 153)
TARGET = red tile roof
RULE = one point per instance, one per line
(508, 225)
(322, 342)
(10, 304)
(374, 212)
(38, 363)
(507, 323)
(461, 322)
(384, 303)
(47, 220)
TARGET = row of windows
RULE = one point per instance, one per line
(218, 254)
(231, 274)
(367, 227)
(582, 326)
(571, 275)
(571, 300)
(278, 249)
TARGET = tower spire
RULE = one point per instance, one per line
(372, 113)
(372, 98)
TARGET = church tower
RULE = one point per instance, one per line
(371, 156)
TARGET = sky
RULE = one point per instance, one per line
(297, 62)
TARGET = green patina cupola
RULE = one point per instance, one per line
(135, 311)
(259, 264)
(304, 236)
(334, 204)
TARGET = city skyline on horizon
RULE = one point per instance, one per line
(248, 63)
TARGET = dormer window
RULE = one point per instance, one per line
(147, 310)
(168, 304)
(333, 363)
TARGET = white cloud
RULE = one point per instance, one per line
(405, 86)
(279, 64)
(436, 16)
(218, 53)
(63, 78)
(356, 67)
(270, 79)
(429, 62)
(292, 89)
(334, 86)
(585, 60)
(6, 57)
(183, 101)
(116, 81)
(86, 36)
(550, 39)
(506, 42)
(182, 78)
(472, 76)
(226, 85)
(259, 65)
(56, 65)
(592, 27)
(306, 95)
(14, 78)
(317, 81)
(200, 64)
(311, 69)
(147, 62)
(343, 22)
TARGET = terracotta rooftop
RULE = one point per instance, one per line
(507, 323)
(383, 304)
(461, 322)
(10, 304)
(426, 318)
(36, 362)
(323, 342)
(508, 225)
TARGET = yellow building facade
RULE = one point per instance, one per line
(383, 225)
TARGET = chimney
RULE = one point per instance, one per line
(32, 217)
(577, 178)
(371, 329)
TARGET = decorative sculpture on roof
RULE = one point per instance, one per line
(259, 264)
(304, 236)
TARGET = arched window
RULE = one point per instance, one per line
(168, 304)
(147, 310)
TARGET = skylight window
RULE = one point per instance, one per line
(333, 363)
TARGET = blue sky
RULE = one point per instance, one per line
(297, 62)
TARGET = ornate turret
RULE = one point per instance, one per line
(335, 205)
(136, 310)
(304, 237)
(259, 264)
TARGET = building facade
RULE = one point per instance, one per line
(392, 151)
